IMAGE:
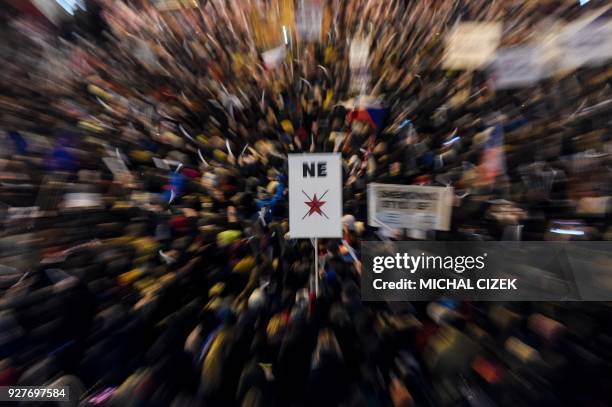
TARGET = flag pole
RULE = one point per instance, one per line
(316, 262)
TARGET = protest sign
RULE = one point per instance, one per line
(358, 62)
(518, 66)
(587, 41)
(274, 57)
(315, 195)
(309, 19)
(409, 206)
(471, 45)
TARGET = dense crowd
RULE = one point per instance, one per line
(154, 264)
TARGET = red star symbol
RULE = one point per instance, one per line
(315, 204)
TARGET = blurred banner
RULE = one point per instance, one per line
(358, 62)
(518, 66)
(471, 45)
(409, 206)
(309, 19)
(587, 41)
(274, 57)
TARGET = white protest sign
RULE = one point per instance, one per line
(28, 212)
(309, 18)
(587, 41)
(358, 62)
(517, 66)
(409, 206)
(359, 53)
(116, 166)
(471, 45)
(315, 196)
(274, 57)
(82, 200)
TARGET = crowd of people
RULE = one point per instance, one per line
(145, 258)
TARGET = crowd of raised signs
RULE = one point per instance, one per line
(144, 248)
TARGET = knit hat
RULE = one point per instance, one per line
(216, 290)
(276, 327)
(287, 126)
(257, 299)
(227, 237)
(219, 155)
(245, 265)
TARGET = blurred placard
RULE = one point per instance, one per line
(117, 167)
(17, 213)
(587, 41)
(309, 19)
(274, 57)
(358, 62)
(471, 45)
(519, 66)
(82, 200)
(358, 54)
(409, 206)
(315, 195)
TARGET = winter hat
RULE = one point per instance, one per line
(245, 265)
(257, 300)
(276, 328)
(227, 237)
(216, 290)
(287, 126)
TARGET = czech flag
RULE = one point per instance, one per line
(369, 111)
(493, 162)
